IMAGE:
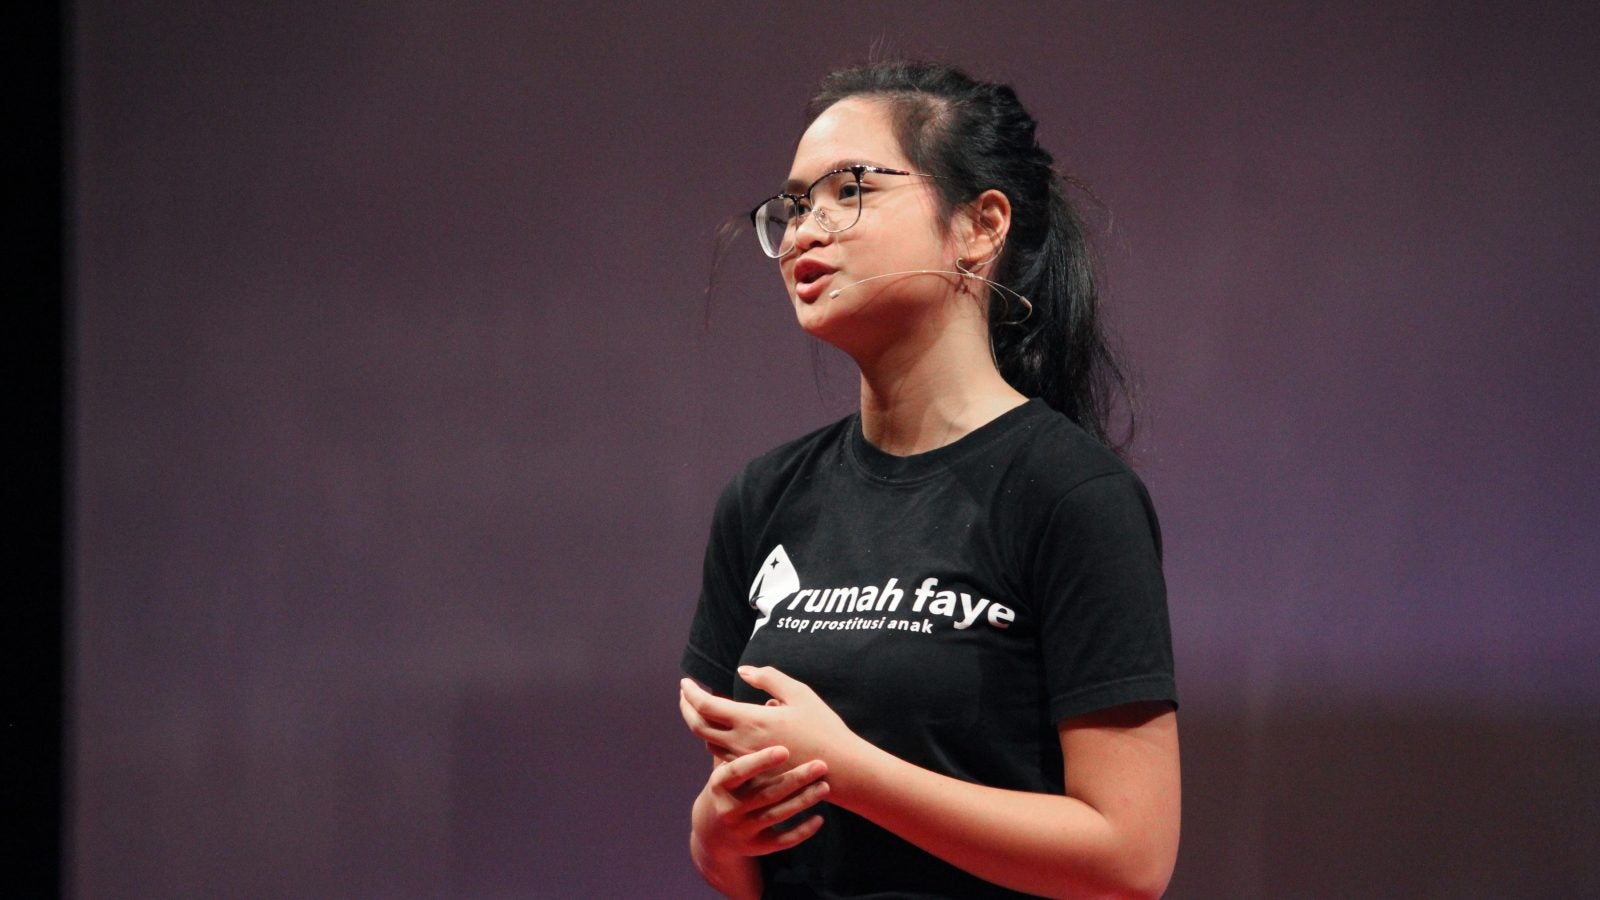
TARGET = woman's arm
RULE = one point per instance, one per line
(1115, 834)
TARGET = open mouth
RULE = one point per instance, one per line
(808, 279)
(808, 271)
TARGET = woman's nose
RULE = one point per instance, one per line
(808, 232)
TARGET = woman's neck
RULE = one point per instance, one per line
(916, 398)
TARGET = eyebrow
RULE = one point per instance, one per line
(795, 184)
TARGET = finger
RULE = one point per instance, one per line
(766, 678)
(780, 788)
(710, 706)
(702, 729)
(788, 809)
(783, 840)
(748, 766)
(691, 716)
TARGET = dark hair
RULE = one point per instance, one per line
(976, 136)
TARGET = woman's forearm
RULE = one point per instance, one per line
(1044, 844)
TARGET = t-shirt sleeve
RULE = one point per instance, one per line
(1104, 633)
(723, 619)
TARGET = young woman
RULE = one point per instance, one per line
(933, 636)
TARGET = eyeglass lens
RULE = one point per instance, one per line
(835, 203)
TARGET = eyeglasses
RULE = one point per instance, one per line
(834, 200)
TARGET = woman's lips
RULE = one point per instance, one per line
(809, 291)
(810, 274)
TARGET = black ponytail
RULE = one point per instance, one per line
(976, 136)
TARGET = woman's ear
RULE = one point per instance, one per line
(985, 228)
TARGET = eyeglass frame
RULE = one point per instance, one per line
(804, 200)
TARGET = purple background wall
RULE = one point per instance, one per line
(398, 430)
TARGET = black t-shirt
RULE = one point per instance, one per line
(951, 607)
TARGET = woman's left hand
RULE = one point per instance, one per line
(795, 718)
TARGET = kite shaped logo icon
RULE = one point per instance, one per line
(776, 581)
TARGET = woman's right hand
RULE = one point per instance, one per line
(745, 800)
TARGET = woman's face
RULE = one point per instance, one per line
(898, 230)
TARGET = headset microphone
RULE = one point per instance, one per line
(959, 272)
(837, 291)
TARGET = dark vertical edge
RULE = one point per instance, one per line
(66, 323)
(34, 487)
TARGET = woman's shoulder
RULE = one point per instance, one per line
(1063, 479)
(1056, 455)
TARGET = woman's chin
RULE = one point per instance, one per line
(820, 317)
(838, 326)
(854, 322)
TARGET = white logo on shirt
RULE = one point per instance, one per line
(776, 580)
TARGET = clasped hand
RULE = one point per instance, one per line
(752, 788)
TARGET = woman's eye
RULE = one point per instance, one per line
(850, 191)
